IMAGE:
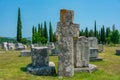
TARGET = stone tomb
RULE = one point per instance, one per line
(4, 46)
(100, 48)
(40, 62)
(20, 46)
(81, 52)
(70, 46)
(10, 46)
(81, 55)
(25, 53)
(117, 52)
(93, 47)
(93, 42)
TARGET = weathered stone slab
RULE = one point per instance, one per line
(81, 52)
(100, 48)
(45, 70)
(20, 46)
(117, 52)
(40, 62)
(40, 56)
(10, 46)
(65, 57)
(90, 68)
(94, 55)
(93, 43)
(4, 46)
(25, 53)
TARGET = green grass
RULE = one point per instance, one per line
(13, 67)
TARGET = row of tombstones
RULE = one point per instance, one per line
(94, 48)
(40, 58)
(11, 46)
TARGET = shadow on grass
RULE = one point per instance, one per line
(24, 69)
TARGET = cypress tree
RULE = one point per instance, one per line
(45, 31)
(36, 35)
(108, 35)
(33, 37)
(95, 30)
(39, 33)
(42, 30)
(86, 32)
(19, 27)
(104, 41)
(50, 32)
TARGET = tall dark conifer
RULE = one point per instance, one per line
(19, 27)
(45, 32)
(95, 30)
(86, 32)
(50, 32)
(33, 37)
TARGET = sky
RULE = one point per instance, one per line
(105, 12)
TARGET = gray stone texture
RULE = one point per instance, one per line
(117, 52)
(20, 46)
(65, 57)
(93, 46)
(4, 46)
(81, 52)
(40, 56)
(93, 43)
(90, 68)
(40, 62)
(10, 46)
(25, 53)
(65, 32)
(45, 70)
(73, 51)
(100, 48)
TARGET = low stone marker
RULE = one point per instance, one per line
(25, 53)
(20, 46)
(94, 55)
(82, 55)
(4, 46)
(93, 47)
(117, 52)
(100, 48)
(81, 52)
(40, 62)
(10, 46)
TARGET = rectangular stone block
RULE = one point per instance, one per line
(65, 57)
(100, 47)
(40, 56)
(93, 53)
(93, 43)
(81, 52)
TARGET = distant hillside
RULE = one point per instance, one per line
(7, 39)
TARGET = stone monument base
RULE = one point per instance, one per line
(43, 71)
(117, 52)
(96, 59)
(90, 68)
(25, 53)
